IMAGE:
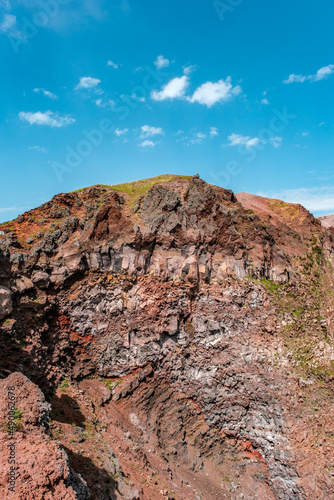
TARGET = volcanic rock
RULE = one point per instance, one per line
(184, 336)
(40, 465)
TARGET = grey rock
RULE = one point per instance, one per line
(6, 306)
(41, 280)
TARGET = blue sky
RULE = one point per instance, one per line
(96, 91)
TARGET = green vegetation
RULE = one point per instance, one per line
(272, 287)
(57, 433)
(139, 188)
(17, 415)
(64, 385)
(301, 318)
(16, 424)
(289, 211)
(108, 384)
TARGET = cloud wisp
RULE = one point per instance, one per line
(39, 149)
(112, 64)
(48, 118)
(87, 83)
(147, 144)
(161, 62)
(321, 74)
(120, 132)
(240, 140)
(46, 93)
(8, 22)
(147, 131)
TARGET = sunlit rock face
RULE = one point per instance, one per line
(194, 328)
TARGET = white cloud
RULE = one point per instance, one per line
(213, 131)
(51, 95)
(198, 138)
(8, 22)
(211, 93)
(317, 199)
(39, 149)
(87, 82)
(304, 134)
(175, 89)
(321, 74)
(188, 70)
(48, 118)
(295, 78)
(11, 209)
(137, 98)
(161, 62)
(276, 141)
(112, 64)
(109, 103)
(240, 140)
(147, 144)
(147, 131)
(265, 101)
(120, 132)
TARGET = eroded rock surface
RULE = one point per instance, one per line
(41, 464)
(185, 335)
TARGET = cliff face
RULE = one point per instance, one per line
(193, 332)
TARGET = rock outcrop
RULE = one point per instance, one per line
(33, 466)
(185, 336)
(6, 306)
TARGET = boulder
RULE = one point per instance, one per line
(59, 274)
(190, 269)
(6, 305)
(23, 284)
(41, 280)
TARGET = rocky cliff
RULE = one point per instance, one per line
(183, 336)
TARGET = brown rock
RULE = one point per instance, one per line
(6, 306)
(40, 465)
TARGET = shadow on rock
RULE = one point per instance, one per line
(101, 484)
(65, 409)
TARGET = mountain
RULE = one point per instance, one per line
(327, 221)
(183, 336)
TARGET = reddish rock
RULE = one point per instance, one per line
(40, 464)
(211, 318)
(6, 306)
